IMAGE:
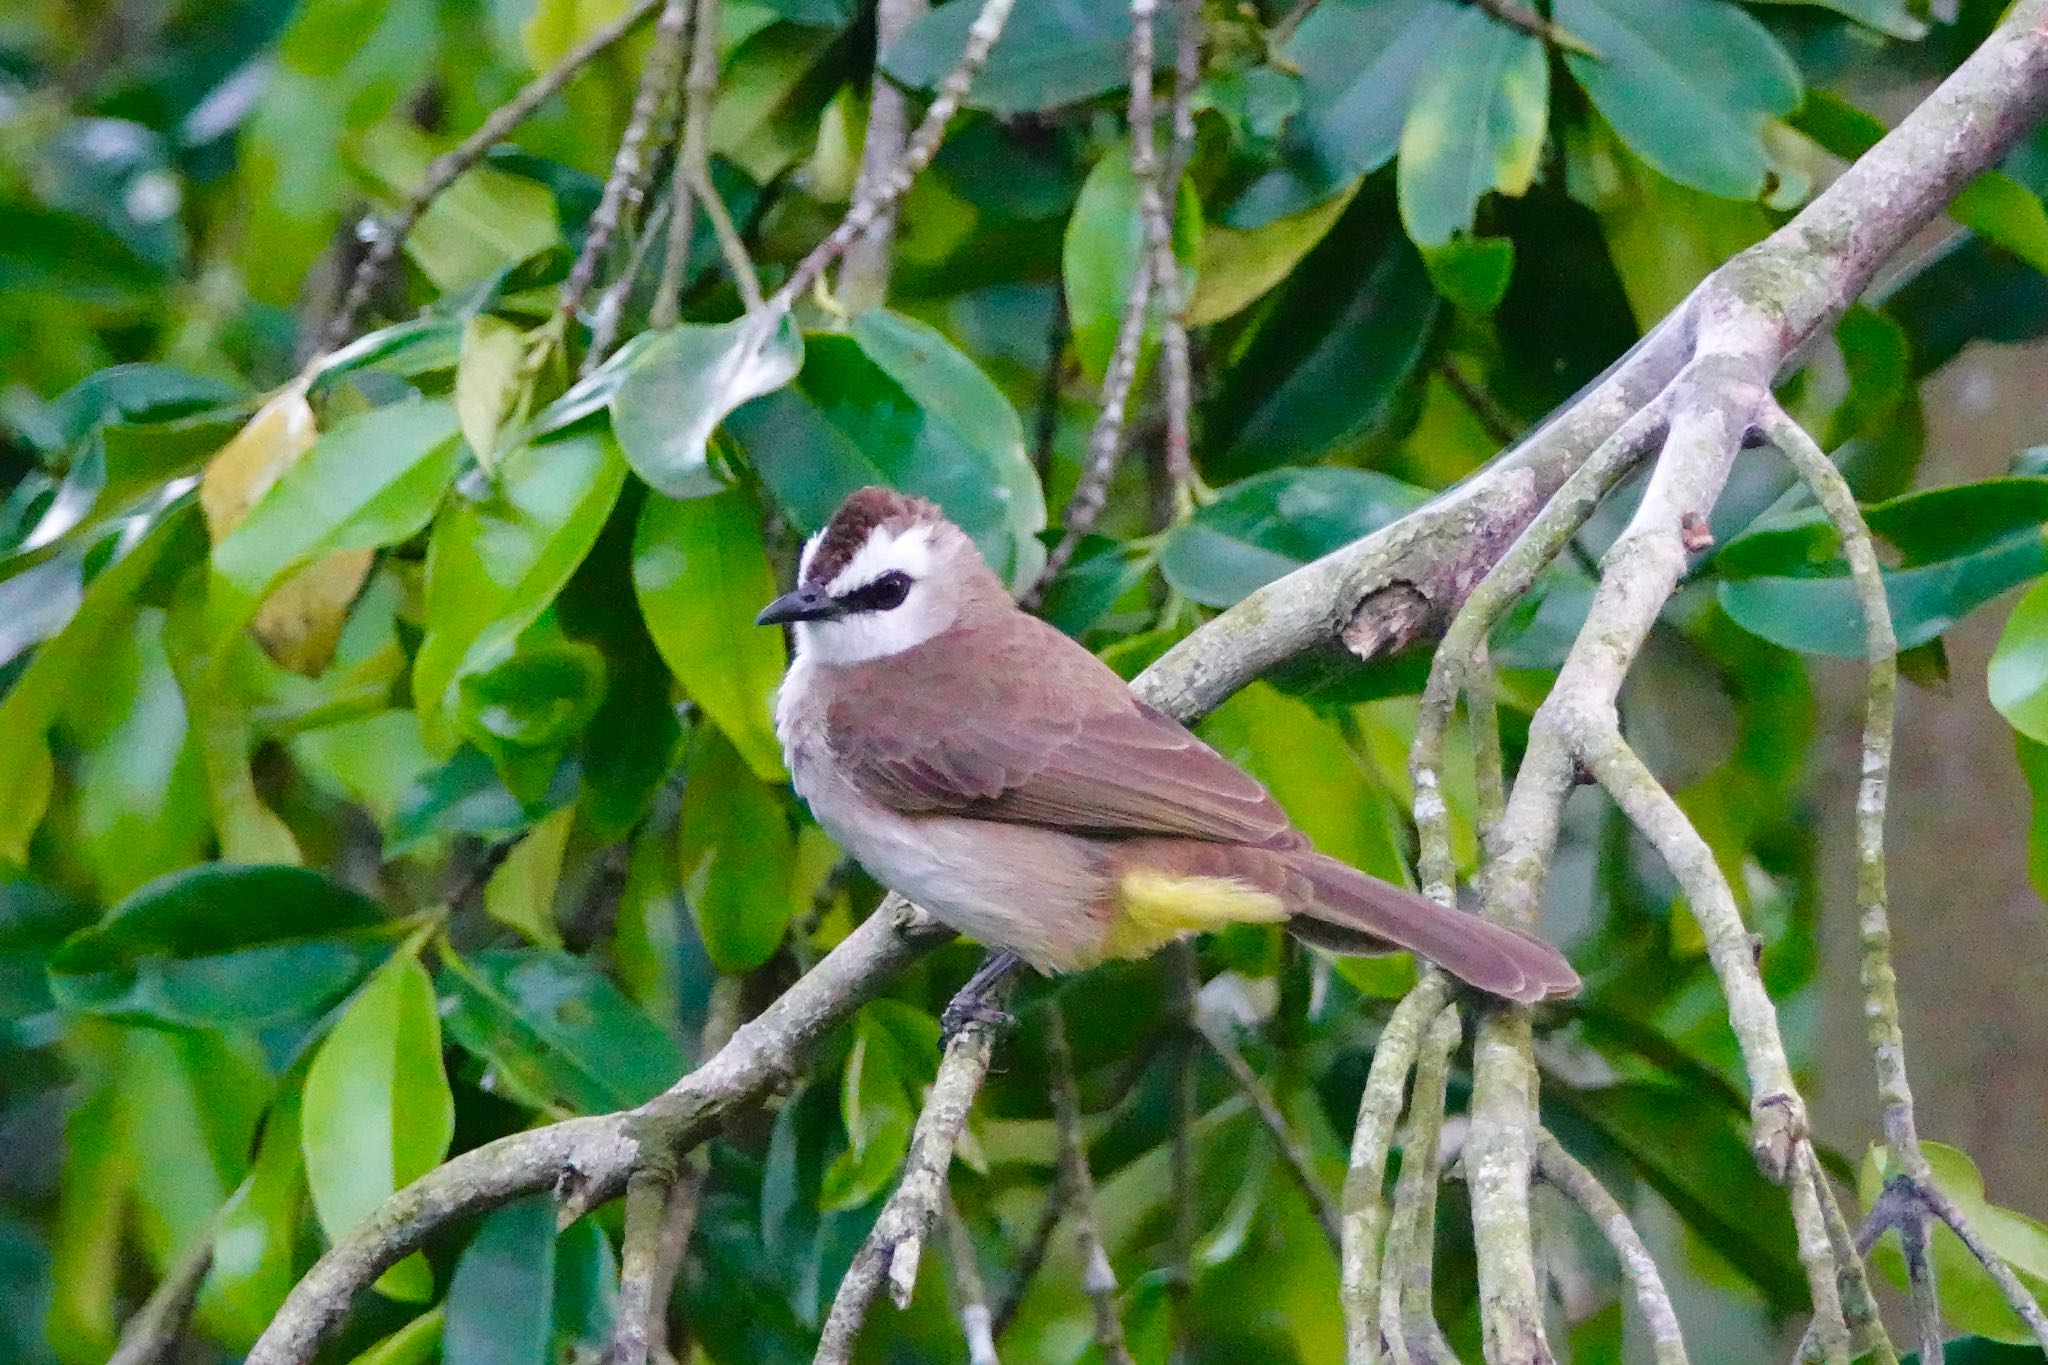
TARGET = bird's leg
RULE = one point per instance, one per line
(972, 1004)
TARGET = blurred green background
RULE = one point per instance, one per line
(385, 753)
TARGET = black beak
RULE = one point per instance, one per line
(805, 604)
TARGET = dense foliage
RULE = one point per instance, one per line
(386, 760)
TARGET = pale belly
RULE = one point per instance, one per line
(1037, 892)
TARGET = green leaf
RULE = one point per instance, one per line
(1105, 243)
(1359, 61)
(465, 795)
(1970, 1299)
(1476, 124)
(1958, 548)
(256, 1233)
(555, 1032)
(1894, 18)
(220, 946)
(1997, 207)
(483, 223)
(416, 1343)
(1239, 266)
(2017, 676)
(1333, 351)
(189, 1106)
(1687, 84)
(525, 707)
(894, 403)
(378, 1112)
(684, 382)
(500, 1308)
(701, 572)
(497, 560)
(2033, 759)
(487, 382)
(1264, 527)
(367, 482)
(57, 675)
(1050, 54)
(86, 1238)
(521, 893)
(737, 857)
(892, 1060)
(1664, 237)
(34, 920)
(586, 1287)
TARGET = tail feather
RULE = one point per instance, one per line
(1353, 913)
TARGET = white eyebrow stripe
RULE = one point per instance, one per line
(908, 551)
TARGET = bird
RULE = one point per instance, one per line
(978, 761)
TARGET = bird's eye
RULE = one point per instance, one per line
(889, 590)
(884, 594)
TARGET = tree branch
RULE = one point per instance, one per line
(1097, 1278)
(864, 275)
(1407, 1311)
(1564, 1173)
(448, 167)
(976, 1324)
(1299, 1163)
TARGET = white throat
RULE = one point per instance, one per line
(866, 635)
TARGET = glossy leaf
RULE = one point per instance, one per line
(737, 857)
(189, 1106)
(2017, 676)
(1687, 84)
(1105, 242)
(501, 1299)
(1049, 55)
(1239, 265)
(1272, 524)
(57, 674)
(1328, 362)
(586, 1286)
(218, 946)
(684, 382)
(555, 1032)
(378, 1113)
(1476, 124)
(257, 1230)
(880, 1092)
(894, 403)
(1958, 548)
(368, 482)
(497, 560)
(1358, 61)
(701, 573)
(521, 893)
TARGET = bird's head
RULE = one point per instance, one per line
(886, 574)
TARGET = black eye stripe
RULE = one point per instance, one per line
(883, 594)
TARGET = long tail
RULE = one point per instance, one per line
(1354, 913)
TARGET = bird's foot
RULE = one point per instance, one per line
(979, 1002)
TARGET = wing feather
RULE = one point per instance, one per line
(1016, 722)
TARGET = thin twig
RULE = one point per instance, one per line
(895, 1243)
(1160, 228)
(1365, 1207)
(864, 274)
(924, 145)
(1105, 439)
(1536, 26)
(153, 1334)
(1292, 1150)
(1186, 978)
(1880, 980)
(1859, 1306)
(1097, 1278)
(661, 1212)
(624, 187)
(1829, 1332)
(1498, 426)
(971, 1297)
(1030, 1259)
(1564, 1173)
(610, 312)
(448, 167)
(1407, 1311)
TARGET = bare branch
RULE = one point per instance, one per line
(1030, 1259)
(691, 184)
(448, 167)
(896, 1241)
(968, 1291)
(1564, 1172)
(625, 185)
(883, 195)
(1407, 1311)
(1096, 1275)
(153, 1334)
(1365, 1208)
(1299, 1163)
(864, 275)
(1829, 1333)
(1859, 1306)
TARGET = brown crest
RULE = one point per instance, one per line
(864, 510)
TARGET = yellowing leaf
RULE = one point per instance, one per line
(521, 892)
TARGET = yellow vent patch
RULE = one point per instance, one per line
(1158, 908)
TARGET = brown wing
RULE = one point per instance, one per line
(1013, 721)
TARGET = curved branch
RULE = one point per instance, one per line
(1564, 1173)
